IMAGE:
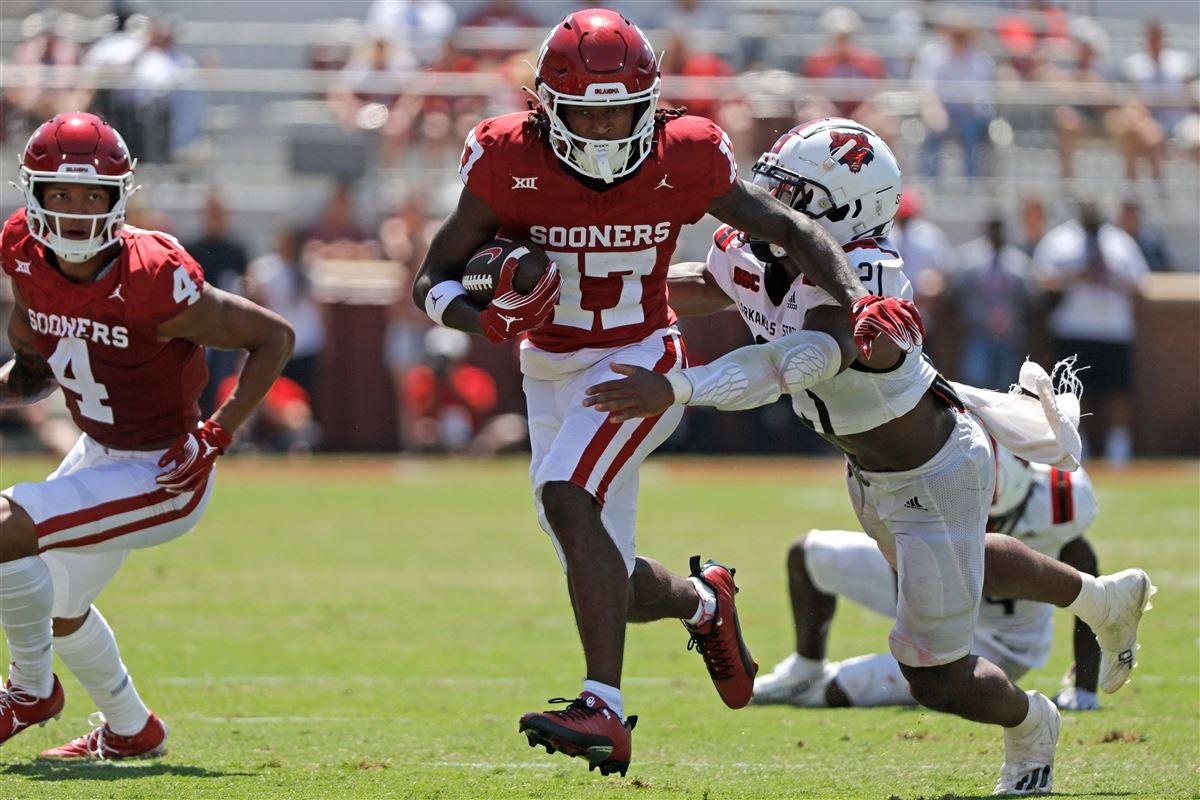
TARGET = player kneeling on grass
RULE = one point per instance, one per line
(118, 318)
(920, 467)
(1046, 508)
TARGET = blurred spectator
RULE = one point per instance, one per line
(1033, 223)
(1150, 240)
(45, 46)
(928, 255)
(442, 121)
(416, 28)
(337, 233)
(841, 58)
(929, 260)
(116, 51)
(954, 75)
(504, 20)
(282, 423)
(169, 118)
(1092, 270)
(224, 260)
(449, 404)
(1144, 124)
(222, 255)
(280, 282)
(991, 293)
(725, 108)
(1083, 82)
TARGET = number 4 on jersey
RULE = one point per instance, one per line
(184, 287)
(73, 371)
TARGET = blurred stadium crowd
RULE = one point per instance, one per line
(305, 161)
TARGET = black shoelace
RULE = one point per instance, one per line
(719, 662)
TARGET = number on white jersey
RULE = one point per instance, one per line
(630, 268)
(71, 356)
(184, 287)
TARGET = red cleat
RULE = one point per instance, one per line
(585, 728)
(19, 709)
(102, 744)
(719, 639)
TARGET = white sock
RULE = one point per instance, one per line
(611, 696)
(1033, 717)
(26, 599)
(806, 667)
(91, 654)
(1089, 606)
(706, 608)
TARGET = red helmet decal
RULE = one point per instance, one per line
(857, 156)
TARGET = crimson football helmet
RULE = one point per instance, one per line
(597, 58)
(836, 171)
(76, 148)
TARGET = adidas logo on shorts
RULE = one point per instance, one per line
(914, 503)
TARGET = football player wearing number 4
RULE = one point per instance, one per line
(604, 182)
(920, 467)
(118, 318)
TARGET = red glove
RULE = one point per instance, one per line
(511, 312)
(190, 457)
(894, 317)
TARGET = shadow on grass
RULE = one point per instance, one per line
(39, 770)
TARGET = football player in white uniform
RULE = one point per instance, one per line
(1046, 508)
(921, 472)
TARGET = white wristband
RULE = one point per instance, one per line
(681, 386)
(440, 297)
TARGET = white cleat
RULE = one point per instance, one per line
(793, 682)
(1029, 758)
(1126, 596)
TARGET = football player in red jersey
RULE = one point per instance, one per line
(604, 182)
(118, 318)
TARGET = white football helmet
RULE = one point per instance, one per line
(1014, 477)
(836, 171)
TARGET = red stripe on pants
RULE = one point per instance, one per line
(129, 527)
(669, 359)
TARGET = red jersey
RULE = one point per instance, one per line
(612, 246)
(124, 387)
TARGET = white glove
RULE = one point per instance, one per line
(1072, 699)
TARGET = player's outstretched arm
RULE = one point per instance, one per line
(26, 378)
(748, 377)
(470, 225)
(693, 292)
(228, 322)
(751, 209)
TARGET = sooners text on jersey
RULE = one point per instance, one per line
(612, 247)
(124, 387)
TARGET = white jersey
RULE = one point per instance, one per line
(858, 399)
(1060, 507)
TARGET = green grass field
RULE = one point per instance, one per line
(344, 628)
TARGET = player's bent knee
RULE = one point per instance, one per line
(65, 626)
(567, 504)
(18, 534)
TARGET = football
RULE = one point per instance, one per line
(483, 270)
